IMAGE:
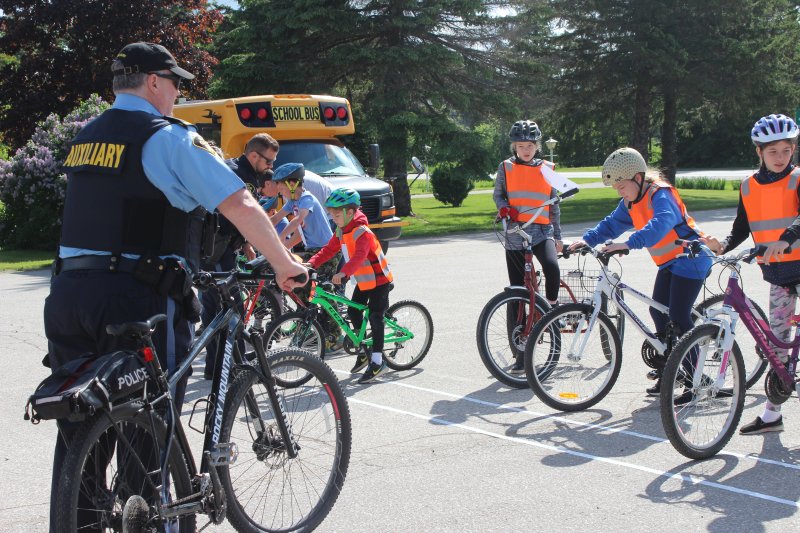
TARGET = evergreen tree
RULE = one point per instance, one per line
(629, 62)
(412, 69)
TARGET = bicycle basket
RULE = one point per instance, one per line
(77, 389)
(578, 285)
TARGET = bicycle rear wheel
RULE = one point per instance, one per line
(114, 456)
(700, 418)
(267, 490)
(755, 362)
(501, 333)
(569, 366)
(413, 316)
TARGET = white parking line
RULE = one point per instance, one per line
(570, 421)
(518, 440)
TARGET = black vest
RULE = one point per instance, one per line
(110, 205)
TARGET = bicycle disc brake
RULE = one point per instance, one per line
(776, 389)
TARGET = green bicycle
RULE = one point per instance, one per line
(408, 329)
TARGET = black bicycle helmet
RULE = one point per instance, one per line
(525, 130)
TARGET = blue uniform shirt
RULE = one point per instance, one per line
(666, 214)
(316, 228)
(188, 175)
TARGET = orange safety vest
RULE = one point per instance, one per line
(365, 275)
(642, 212)
(772, 208)
(527, 190)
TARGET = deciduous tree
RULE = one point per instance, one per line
(62, 51)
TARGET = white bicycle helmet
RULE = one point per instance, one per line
(621, 165)
(773, 128)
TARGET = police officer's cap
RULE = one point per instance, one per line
(146, 57)
(289, 171)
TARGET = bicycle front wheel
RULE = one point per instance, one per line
(569, 365)
(755, 362)
(503, 331)
(267, 490)
(113, 457)
(701, 407)
(399, 351)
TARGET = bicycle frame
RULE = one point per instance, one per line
(737, 305)
(323, 299)
(530, 279)
(610, 285)
(227, 325)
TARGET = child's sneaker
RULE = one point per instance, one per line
(759, 426)
(372, 371)
(361, 362)
(517, 368)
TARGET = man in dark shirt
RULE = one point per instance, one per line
(259, 155)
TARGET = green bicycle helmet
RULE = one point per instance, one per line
(343, 197)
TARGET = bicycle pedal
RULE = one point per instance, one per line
(205, 417)
(224, 453)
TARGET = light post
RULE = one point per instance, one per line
(427, 175)
(551, 145)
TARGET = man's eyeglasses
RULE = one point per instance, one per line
(266, 159)
(176, 80)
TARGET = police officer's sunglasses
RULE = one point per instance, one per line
(266, 159)
(176, 80)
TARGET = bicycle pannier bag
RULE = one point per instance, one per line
(80, 387)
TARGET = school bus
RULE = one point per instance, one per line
(308, 128)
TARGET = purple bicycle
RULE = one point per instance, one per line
(703, 384)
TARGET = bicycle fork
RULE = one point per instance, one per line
(291, 446)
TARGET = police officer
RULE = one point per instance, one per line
(139, 185)
(259, 154)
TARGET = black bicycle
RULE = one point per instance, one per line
(274, 458)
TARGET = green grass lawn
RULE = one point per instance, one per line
(590, 205)
(475, 214)
(25, 259)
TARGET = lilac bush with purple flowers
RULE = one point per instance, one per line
(33, 183)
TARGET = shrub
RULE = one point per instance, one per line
(33, 184)
(451, 184)
(714, 184)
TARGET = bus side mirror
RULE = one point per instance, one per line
(418, 166)
(374, 159)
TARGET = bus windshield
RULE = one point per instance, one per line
(326, 159)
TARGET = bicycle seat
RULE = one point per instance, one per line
(259, 264)
(136, 329)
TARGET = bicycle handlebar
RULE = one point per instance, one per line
(748, 255)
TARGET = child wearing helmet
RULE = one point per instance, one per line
(769, 210)
(519, 189)
(310, 223)
(655, 210)
(366, 263)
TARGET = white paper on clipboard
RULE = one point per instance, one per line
(557, 181)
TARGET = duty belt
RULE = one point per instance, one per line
(111, 263)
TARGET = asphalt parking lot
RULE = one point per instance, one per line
(444, 447)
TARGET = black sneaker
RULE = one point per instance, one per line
(654, 374)
(361, 362)
(684, 398)
(655, 390)
(759, 426)
(517, 368)
(372, 371)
